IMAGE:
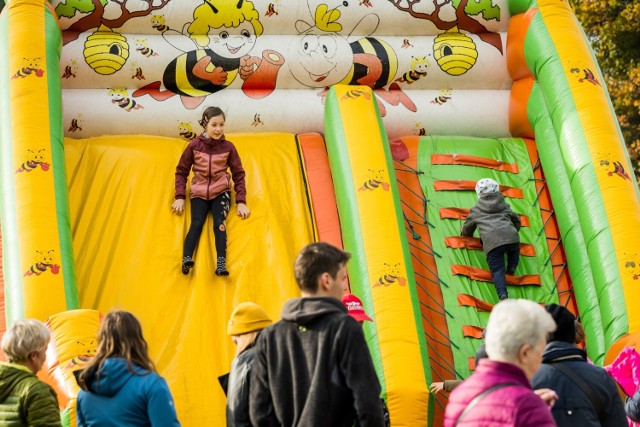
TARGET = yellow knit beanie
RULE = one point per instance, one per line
(247, 317)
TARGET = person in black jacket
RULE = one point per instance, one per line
(247, 321)
(633, 407)
(313, 367)
(593, 402)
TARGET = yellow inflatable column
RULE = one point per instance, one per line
(380, 272)
(38, 261)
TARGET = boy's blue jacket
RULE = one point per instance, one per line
(120, 397)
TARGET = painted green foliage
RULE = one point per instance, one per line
(69, 9)
(485, 8)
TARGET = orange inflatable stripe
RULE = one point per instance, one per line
(473, 243)
(482, 275)
(466, 300)
(472, 331)
(472, 363)
(323, 198)
(519, 124)
(463, 185)
(461, 213)
(463, 159)
(516, 35)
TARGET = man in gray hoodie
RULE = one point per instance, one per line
(498, 226)
(313, 367)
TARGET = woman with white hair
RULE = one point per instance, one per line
(25, 400)
(499, 392)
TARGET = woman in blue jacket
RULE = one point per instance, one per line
(120, 385)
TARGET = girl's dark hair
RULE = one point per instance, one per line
(120, 335)
(209, 113)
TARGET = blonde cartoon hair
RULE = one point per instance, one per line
(226, 13)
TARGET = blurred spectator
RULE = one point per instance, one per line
(25, 400)
(499, 393)
(247, 321)
(313, 368)
(120, 385)
(587, 395)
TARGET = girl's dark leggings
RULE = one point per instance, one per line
(200, 208)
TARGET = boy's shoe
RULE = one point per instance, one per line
(187, 264)
(503, 296)
(221, 269)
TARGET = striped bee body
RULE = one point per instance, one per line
(383, 52)
(179, 77)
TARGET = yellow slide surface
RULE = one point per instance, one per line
(128, 249)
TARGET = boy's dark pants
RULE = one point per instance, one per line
(495, 259)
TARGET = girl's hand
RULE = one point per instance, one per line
(178, 206)
(243, 211)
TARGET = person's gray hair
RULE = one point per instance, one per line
(23, 338)
(514, 323)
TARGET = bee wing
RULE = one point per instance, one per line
(179, 41)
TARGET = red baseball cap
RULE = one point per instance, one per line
(356, 310)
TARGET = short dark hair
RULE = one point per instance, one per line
(565, 324)
(316, 259)
(209, 113)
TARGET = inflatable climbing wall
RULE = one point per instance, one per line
(365, 123)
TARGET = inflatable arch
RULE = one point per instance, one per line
(363, 123)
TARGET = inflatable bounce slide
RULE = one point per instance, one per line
(364, 123)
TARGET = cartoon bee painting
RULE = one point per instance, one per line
(366, 3)
(618, 170)
(419, 65)
(320, 57)
(136, 72)
(443, 98)
(185, 130)
(85, 350)
(120, 97)
(375, 180)
(588, 76)
(631, 266)
(220, 54)
(36, 158)
(70, 70)
(158, 23)
(257, 120)
(44, 263)
(389, 275)
(31, 67)
(142, 46)
(74, 126)
(271, 10)
(406, 44)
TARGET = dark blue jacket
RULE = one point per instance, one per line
(119, 397)
(573, 407)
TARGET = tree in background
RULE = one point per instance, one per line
(613, 29)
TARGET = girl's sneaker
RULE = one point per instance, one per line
(187, 264)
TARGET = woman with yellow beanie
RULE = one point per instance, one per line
(247, 320)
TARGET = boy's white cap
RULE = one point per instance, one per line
(486, 186)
